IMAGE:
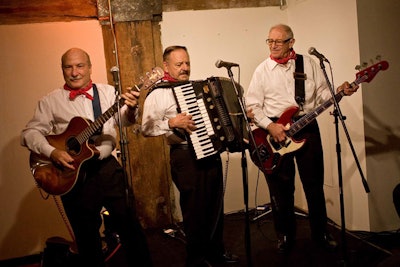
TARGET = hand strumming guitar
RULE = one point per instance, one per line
(61, 157)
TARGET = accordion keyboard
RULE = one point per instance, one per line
(189, 103)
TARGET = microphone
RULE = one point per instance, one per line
(314, 52)
(115, 70)
(220, 64)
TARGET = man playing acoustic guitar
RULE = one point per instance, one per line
(99, 180)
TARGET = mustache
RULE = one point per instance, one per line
(185, 72)
(72, 79)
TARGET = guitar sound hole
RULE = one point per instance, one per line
(73, 146)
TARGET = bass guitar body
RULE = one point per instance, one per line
(267, 154)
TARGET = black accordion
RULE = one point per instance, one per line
(215, 108)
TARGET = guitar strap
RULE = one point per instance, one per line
(96, 107)
(299, 78)
(96, 102)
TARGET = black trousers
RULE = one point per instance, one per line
(200, 183)
(102, 184)
(281, 185)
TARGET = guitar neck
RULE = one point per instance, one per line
(99, 122)
(156, 74)
(309, 117)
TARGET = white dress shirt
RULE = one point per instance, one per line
(272, 89)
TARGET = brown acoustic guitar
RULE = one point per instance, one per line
(267, 153)
(55, 179)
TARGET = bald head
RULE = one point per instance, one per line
(76, 67)
(75, 51)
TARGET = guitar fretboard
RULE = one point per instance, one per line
(99, 122)
(309, 117)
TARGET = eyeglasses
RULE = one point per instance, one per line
(277, 42)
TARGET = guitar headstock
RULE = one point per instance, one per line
(151, 78)
(367, 74)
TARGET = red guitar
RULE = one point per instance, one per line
(58, 180)
(270, 152)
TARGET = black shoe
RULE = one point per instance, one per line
(227, 257)
(204, 264)
(327, 242)
(285, 243)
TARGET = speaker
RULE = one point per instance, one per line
(57, 253)
(396, 199)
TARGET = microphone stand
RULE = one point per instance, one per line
(244, 165)
(122, 139)
(338, 114)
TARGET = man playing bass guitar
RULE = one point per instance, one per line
(270, 93)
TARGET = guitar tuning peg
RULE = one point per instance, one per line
(378, 57)
(372, 61)
(358, 67)
(148, 74)
(364, 64)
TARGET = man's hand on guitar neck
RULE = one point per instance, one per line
(347, 88)
(131, 98)
(132, 101)
(62, 158)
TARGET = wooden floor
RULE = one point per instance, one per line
(255, 244)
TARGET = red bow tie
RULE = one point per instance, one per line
(75, 92)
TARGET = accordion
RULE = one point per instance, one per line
(215, 108)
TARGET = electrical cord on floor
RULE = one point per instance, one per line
(175, 232)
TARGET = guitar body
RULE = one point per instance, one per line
(270, 152)
(53, 178)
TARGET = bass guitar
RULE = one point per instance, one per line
(55, 179)
(267, 153)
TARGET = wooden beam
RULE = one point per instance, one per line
(176, 5)
(129, 10)
(138, 49)
(37, 11)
